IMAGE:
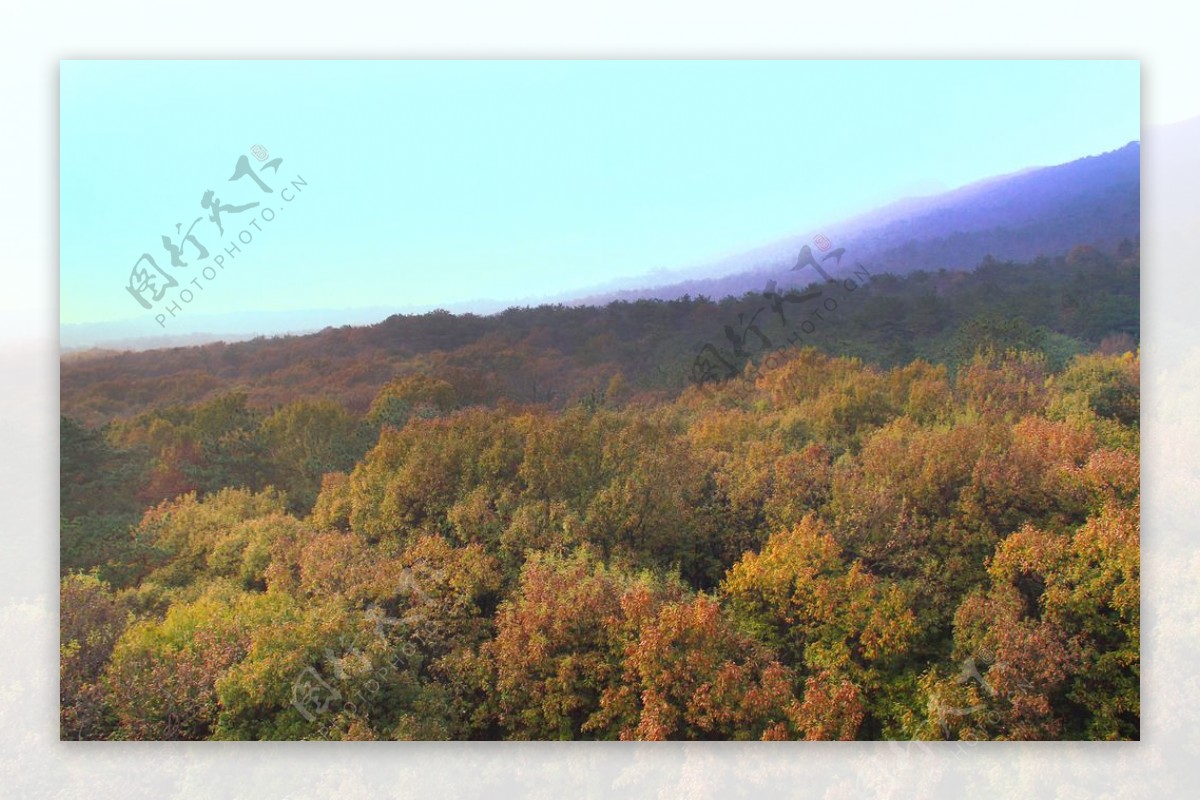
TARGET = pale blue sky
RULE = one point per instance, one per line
(434, 183)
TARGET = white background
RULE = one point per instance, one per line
(34, 36)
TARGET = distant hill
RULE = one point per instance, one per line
(197, 329)
(1036, 212)
(557, 354)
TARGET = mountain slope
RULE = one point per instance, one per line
(1037, 211)
(1018, 217)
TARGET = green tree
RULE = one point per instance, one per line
(306, 439)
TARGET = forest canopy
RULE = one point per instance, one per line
(921, 522)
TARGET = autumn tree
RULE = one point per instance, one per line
(834, 621)
(1053, 639)
(307, 439)
(92, 621)
(689, 674)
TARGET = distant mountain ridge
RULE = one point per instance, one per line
(1037, 211)
(1019, 216)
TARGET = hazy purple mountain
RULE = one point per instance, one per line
(1045, 210)
(1039, 211)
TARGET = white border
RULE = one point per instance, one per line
(34, 36)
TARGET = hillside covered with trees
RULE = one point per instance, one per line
(913, 514)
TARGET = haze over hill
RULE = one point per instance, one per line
(1038, 211)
